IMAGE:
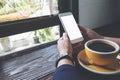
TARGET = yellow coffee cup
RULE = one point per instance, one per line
(101, 51)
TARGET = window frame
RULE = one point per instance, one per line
(69, 6)
(20, 26)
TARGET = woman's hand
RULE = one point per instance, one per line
(90, 34)
(64, 45)
(87, 35)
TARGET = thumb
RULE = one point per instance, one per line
(65, 36)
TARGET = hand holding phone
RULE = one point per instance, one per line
(71, 28)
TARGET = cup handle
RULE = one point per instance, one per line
(118, 56)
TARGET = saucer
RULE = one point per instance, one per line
(84, 62)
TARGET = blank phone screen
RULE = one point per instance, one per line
(71, 27)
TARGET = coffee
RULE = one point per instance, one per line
(101, 51)
(101, 47)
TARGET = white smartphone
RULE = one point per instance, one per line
(70, 26)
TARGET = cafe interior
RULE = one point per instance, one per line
(30, 29)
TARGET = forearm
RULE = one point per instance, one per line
(66, 70)
(117, 40)
(65, 64)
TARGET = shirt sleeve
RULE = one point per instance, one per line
(66, 72)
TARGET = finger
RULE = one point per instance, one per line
(60, 39)
(65, 36)
(83, 29)
(78, 45)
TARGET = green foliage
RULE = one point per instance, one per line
(14, 6)
(3, 11)
(2, 3)
(44, 34)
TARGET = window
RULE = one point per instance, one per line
(42, 15)
(28, 39)
(20, 9)
(16, 10)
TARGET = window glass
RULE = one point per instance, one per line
(28, 39)
(11, 10)
(20, 9)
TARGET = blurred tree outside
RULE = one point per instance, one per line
(11, 10)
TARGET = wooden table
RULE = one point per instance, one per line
(38, 64)
(31, 64)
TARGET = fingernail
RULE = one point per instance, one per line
(64, 34)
